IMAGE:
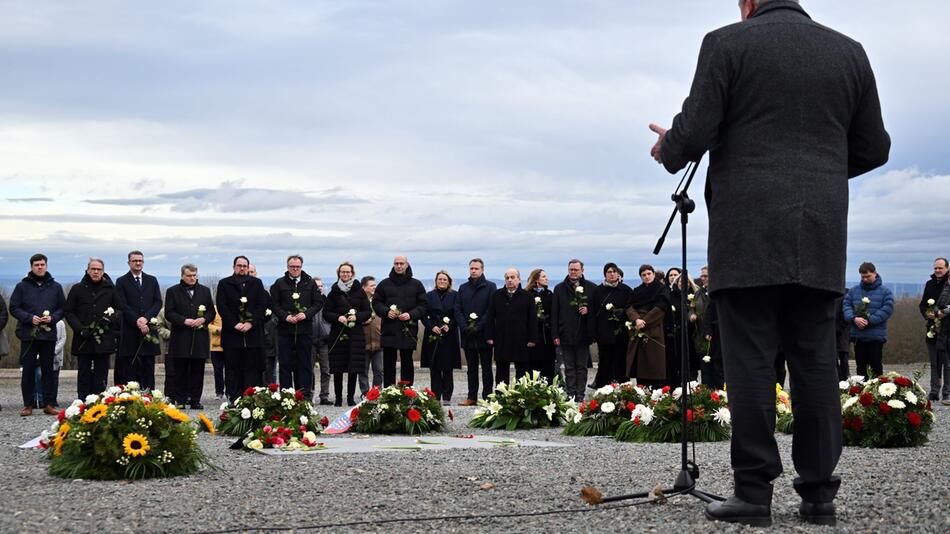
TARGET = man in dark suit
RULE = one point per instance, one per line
(141, 301)
(789, 112)
(242, 303)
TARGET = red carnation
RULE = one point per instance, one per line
(413, 415)
(411, 393)
(354, 413)
(429, 392)
(82, 407)
(325, 421)
(857, 424)
(581, 408)
(631, 406)
(249, 391)
(302, 428)
(689, 415)
(854, 390)
(223, 416)
(913, 419)
(666, 389)
(372, 394)
(61, 416)
(883, 379)
(866, 399)
(298, 395)
(885, 409)
(903, 381)
(272, 387)
(594, 404)
(108, 400)
(714, 396)
(275, 418)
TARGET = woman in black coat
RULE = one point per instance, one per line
(674, 347)
(346, 309)
(441, 345)
(92, 311)
(607, 306)
(543, 356)
(189, 310)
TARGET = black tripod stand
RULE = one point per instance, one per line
(686, 479)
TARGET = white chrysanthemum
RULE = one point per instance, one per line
(577, 417)
(856, 380)
(258, 413)
(850, 402)
(607, 407)
(896, 404)
(606, 390)
(245, 414)
(887, 389)
(275, 395)
(550, 410)
(645, 413)
(723, 416)
(910, 397)
(304, 420)
(843, 384)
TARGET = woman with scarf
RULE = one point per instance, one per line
(543, 354)
(441, 351)
(608, 303)
(346, 309)
(649, 305)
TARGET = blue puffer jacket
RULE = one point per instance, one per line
(878, 311)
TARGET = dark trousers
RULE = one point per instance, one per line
(243, 368)
(36, 353)
(187, 379)
(406, 369)
(217, 364)
(476, 354)
(141, 369)
(296, 363)
(869, 354)
(780, 374)
(443, 383)
(611, 359)
(754, 323)
(270, 370)
(939, 372)
(38, 380)
(503, 371)
(843, 371)
(350, 387)
(92, 375)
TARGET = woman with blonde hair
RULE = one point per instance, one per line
(346, 309)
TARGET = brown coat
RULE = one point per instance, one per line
(646, 358)
(372, 331)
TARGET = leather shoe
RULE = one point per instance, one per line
(818, 513)
(325, 402)
(49, 410)
(26, 411)
(468, 402)
(197, 406)
(735, 510)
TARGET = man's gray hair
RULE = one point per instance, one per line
(189, 267)
(295, 257)
(575, 260)
(99, 260)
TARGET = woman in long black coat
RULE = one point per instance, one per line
(346, 309)
(543, 355)
(607, 306)
(512, 327)
(189, 309)
(674, 349)
(441, 351)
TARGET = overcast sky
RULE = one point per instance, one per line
(443, 129)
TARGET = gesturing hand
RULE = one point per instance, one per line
(661, 133)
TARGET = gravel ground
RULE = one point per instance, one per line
(894, 490)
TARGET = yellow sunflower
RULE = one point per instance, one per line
(135, 445)
(175, 414)
(209, 426)
(60, 438)
(94, 414)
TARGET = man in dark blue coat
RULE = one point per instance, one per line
(471, 308)
(242, 303)
(138, 345)
(789, 111)
(37, 304)
(296, 300)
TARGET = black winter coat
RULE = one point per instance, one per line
(311, 301)
(789, 111)
(230, 292)
(842, 328)
(409, 296)
(32, 297)
(932, 290)
(474, 297)
(444, 352)
(544, 350)
(347, 355)
(567, 322)
(512, 324)
(87, 303)
(4, 316)
(605, 322)
(185, 341)
(137, 302)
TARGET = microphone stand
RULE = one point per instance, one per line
(685, 483)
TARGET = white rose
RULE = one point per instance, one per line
(309, 436)
(629, 325)
(723, 416)
(202, 308)
(109, 311)
(673, 307)
(843, 384)
(54, 427)
(132, 385)
(910, 397)
(255, 444)
(243, 300)
(896, 404)
(656, 395)
(856, 379)
(707, 358)
(72, 411)
(473, 316)
(153, 321)
(850, 402)
(295, 296)
(887, 389)
(90, 399)
(351, 311)
(690, 296)
(866, 300)
(677, 393)
(607, 407)
(537, 300)
(304, 420)
(275, 395)
(606, 390)
(45, 313)
(609, 306)
(931, 335)
(245, 414)
(268, 313)
(113, 390)
(224, 406)
(157, 394)
(579, 289)
(446, 320)
(931, 302)
(394, 307)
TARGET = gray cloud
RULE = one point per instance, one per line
(31, 199)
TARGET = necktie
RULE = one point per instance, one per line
(138, 281)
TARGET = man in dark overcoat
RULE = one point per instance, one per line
(400, 301)
(929, 309)
(512, 327)
(141, 301)
(189, 310)
(92, 311)
(471, 309)
(296, 300)
(571, 323)
(789, 112)
(242, 303)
